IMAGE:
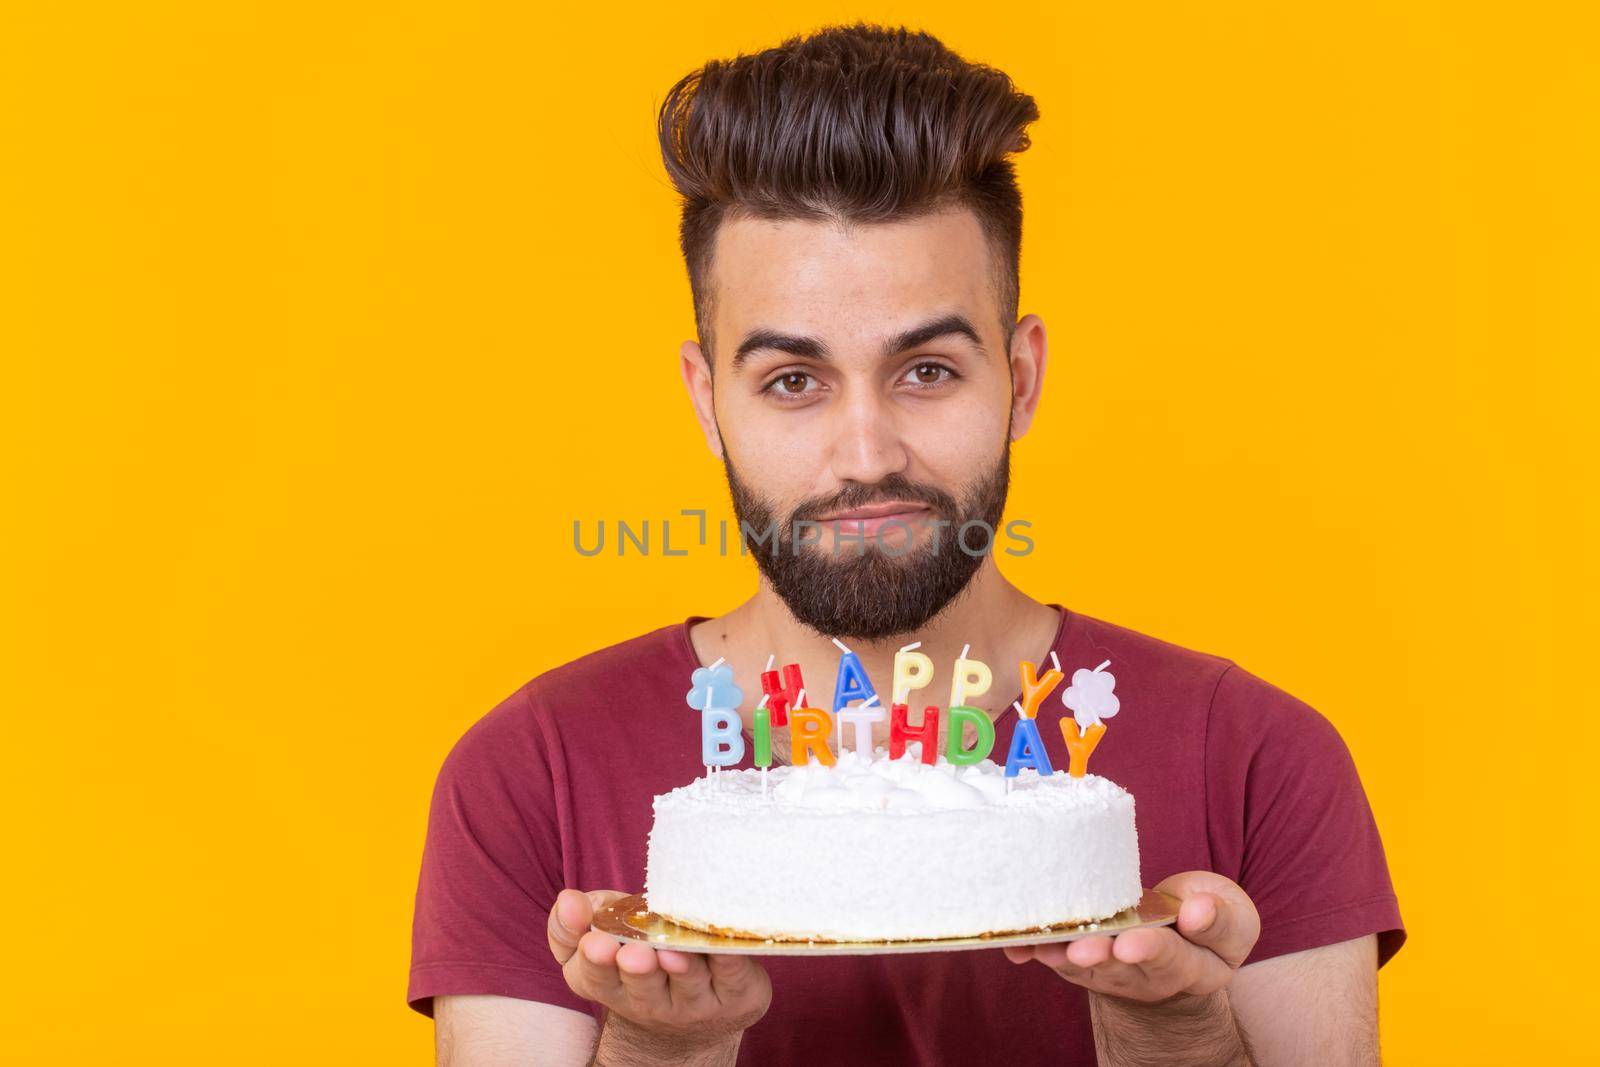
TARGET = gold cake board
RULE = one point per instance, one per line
(628, 920)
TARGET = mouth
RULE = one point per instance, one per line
(869, 519)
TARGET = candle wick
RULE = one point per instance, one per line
(771, 659)
(964, 650)
(720, 661)
(842, 646)
(912, 646)
(1102, 666)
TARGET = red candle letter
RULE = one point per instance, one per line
(780, 698)
(901, 731)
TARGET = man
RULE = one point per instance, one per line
(851, 226)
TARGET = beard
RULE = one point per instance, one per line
(861, 589)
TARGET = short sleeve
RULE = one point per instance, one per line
(1288, 820)
(492, 864)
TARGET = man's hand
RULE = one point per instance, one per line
(1159, 995)
(661, 1004)
(1216, 929)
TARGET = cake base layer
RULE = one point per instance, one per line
(891, 849)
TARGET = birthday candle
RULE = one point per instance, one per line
(912, 670)
(901, 731)
(972, 678)
(1091, 698)
(1027, 748)
(713, 693)
(808, 735)
(763, 735)
(721, 737)
(863, 717)
(853, 683)
(953, 751)
(1080, 746)
(782, 696)
(1035, 689)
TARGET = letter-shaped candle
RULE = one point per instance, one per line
(853, 683)
(1027, 747)
(1080, 746)
(953, 751)
(901, 731)
(808, 736)
(781, 697)
(972, 679)
(1092, 697)
(721, 737)
(763, 735)
(863, 717)
(912, 670)
(1035, 689)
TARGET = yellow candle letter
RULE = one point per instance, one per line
(912, 670)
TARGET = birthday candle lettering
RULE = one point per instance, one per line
(1027, 749)
(862, 717)
(1035, 689)
(901, 731)
(972, 679)
(782, 696)
(808, 735)
(956, 729)
(912, 670)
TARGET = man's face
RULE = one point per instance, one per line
(848, 392)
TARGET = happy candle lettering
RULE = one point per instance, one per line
(814, 732)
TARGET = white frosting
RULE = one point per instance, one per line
(868, 850)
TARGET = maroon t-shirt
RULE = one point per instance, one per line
(552, 789)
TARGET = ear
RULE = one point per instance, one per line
(1028, 350)
(697, 377)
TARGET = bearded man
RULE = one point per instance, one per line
(851, 225)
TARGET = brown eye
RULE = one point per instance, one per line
(794, 382)
(929, 373)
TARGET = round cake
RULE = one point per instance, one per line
(891, 850)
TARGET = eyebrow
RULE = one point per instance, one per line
(954, 324)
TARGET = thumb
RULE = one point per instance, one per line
(570, 917)
(1215, 913)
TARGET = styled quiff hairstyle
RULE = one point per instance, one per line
(852, 124)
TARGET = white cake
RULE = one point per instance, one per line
(891, 849)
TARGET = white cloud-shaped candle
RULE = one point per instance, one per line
(1091, 695)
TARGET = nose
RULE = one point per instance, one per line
(866, 441)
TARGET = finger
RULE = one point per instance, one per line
(688, 976)
(1171, 964)
(1116, 978)
(571, 915)
(1018, 953)
(591, 971)
(1087, 951)
(569, 918)
(600, 898)
(735, 978)
(675, 962)
(1215, 913)
(643, 980)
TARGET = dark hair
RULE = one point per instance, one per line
(851, 124)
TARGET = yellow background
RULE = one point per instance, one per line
(322, 322)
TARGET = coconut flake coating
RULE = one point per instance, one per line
(891, 849)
